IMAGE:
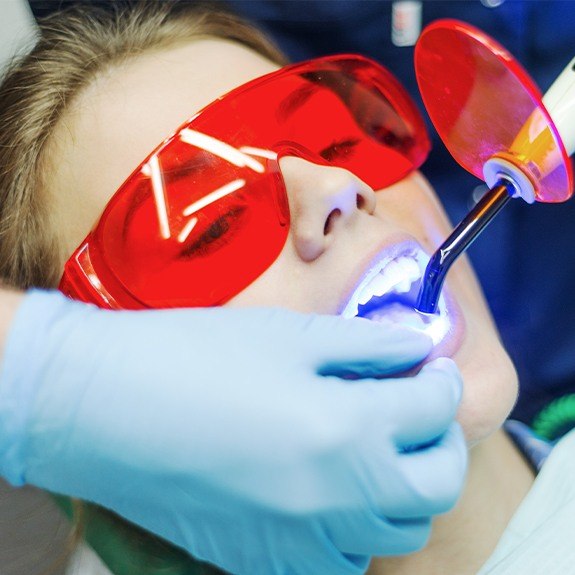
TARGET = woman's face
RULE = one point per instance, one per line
(342, 232)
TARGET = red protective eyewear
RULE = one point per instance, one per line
(207, 211)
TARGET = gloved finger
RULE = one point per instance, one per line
(431, 480)
(370, 534)
(425, 405)
(360, 348)
(413, 410)
(317, 552)
(325, 557)
(416, 534)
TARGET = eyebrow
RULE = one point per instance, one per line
(289, 105)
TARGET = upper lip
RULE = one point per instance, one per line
(405, 248)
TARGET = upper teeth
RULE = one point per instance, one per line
(396, 275)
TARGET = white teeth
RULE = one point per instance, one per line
(379, 285)
(411, 268)
(364, 296)
(403, 286)
(394, 271)
(410, 272)
(397, 275)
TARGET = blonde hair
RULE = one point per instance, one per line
(74, 47)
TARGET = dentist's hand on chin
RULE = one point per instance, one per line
(231, 432)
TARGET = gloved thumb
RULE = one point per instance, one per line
(358, 347)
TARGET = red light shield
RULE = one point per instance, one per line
(483, 104)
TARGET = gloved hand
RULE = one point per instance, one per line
(228, 432)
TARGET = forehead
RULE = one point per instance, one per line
(126, 112)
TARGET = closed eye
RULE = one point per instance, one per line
(339, 150)
(218, 233)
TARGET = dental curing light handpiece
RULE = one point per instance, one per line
(506, 180)
(459, 240)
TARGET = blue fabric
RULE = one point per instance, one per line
(524, 260)
(535, 450)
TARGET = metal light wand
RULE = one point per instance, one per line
(459, 240)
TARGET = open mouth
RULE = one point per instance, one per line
(388, 293)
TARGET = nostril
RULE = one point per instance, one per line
(365, 200)
(330, 221)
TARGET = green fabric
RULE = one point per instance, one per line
(556, 419)
(128, 550)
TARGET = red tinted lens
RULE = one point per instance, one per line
(188, 232)
(207, 213)
(484, 104)
(346, 111)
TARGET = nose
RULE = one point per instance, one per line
(322, 200)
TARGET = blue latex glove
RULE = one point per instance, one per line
(227, 432)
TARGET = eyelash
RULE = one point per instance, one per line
(341, 149)
(216, 232)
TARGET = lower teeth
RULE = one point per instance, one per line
(398, 313)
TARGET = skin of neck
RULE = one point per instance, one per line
(463, 539)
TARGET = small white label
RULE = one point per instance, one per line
(405, 22)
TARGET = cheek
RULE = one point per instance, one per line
(490, 391)
(413, 206)
(298, 286)
(284, 284)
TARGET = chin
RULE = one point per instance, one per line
(490, 387)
